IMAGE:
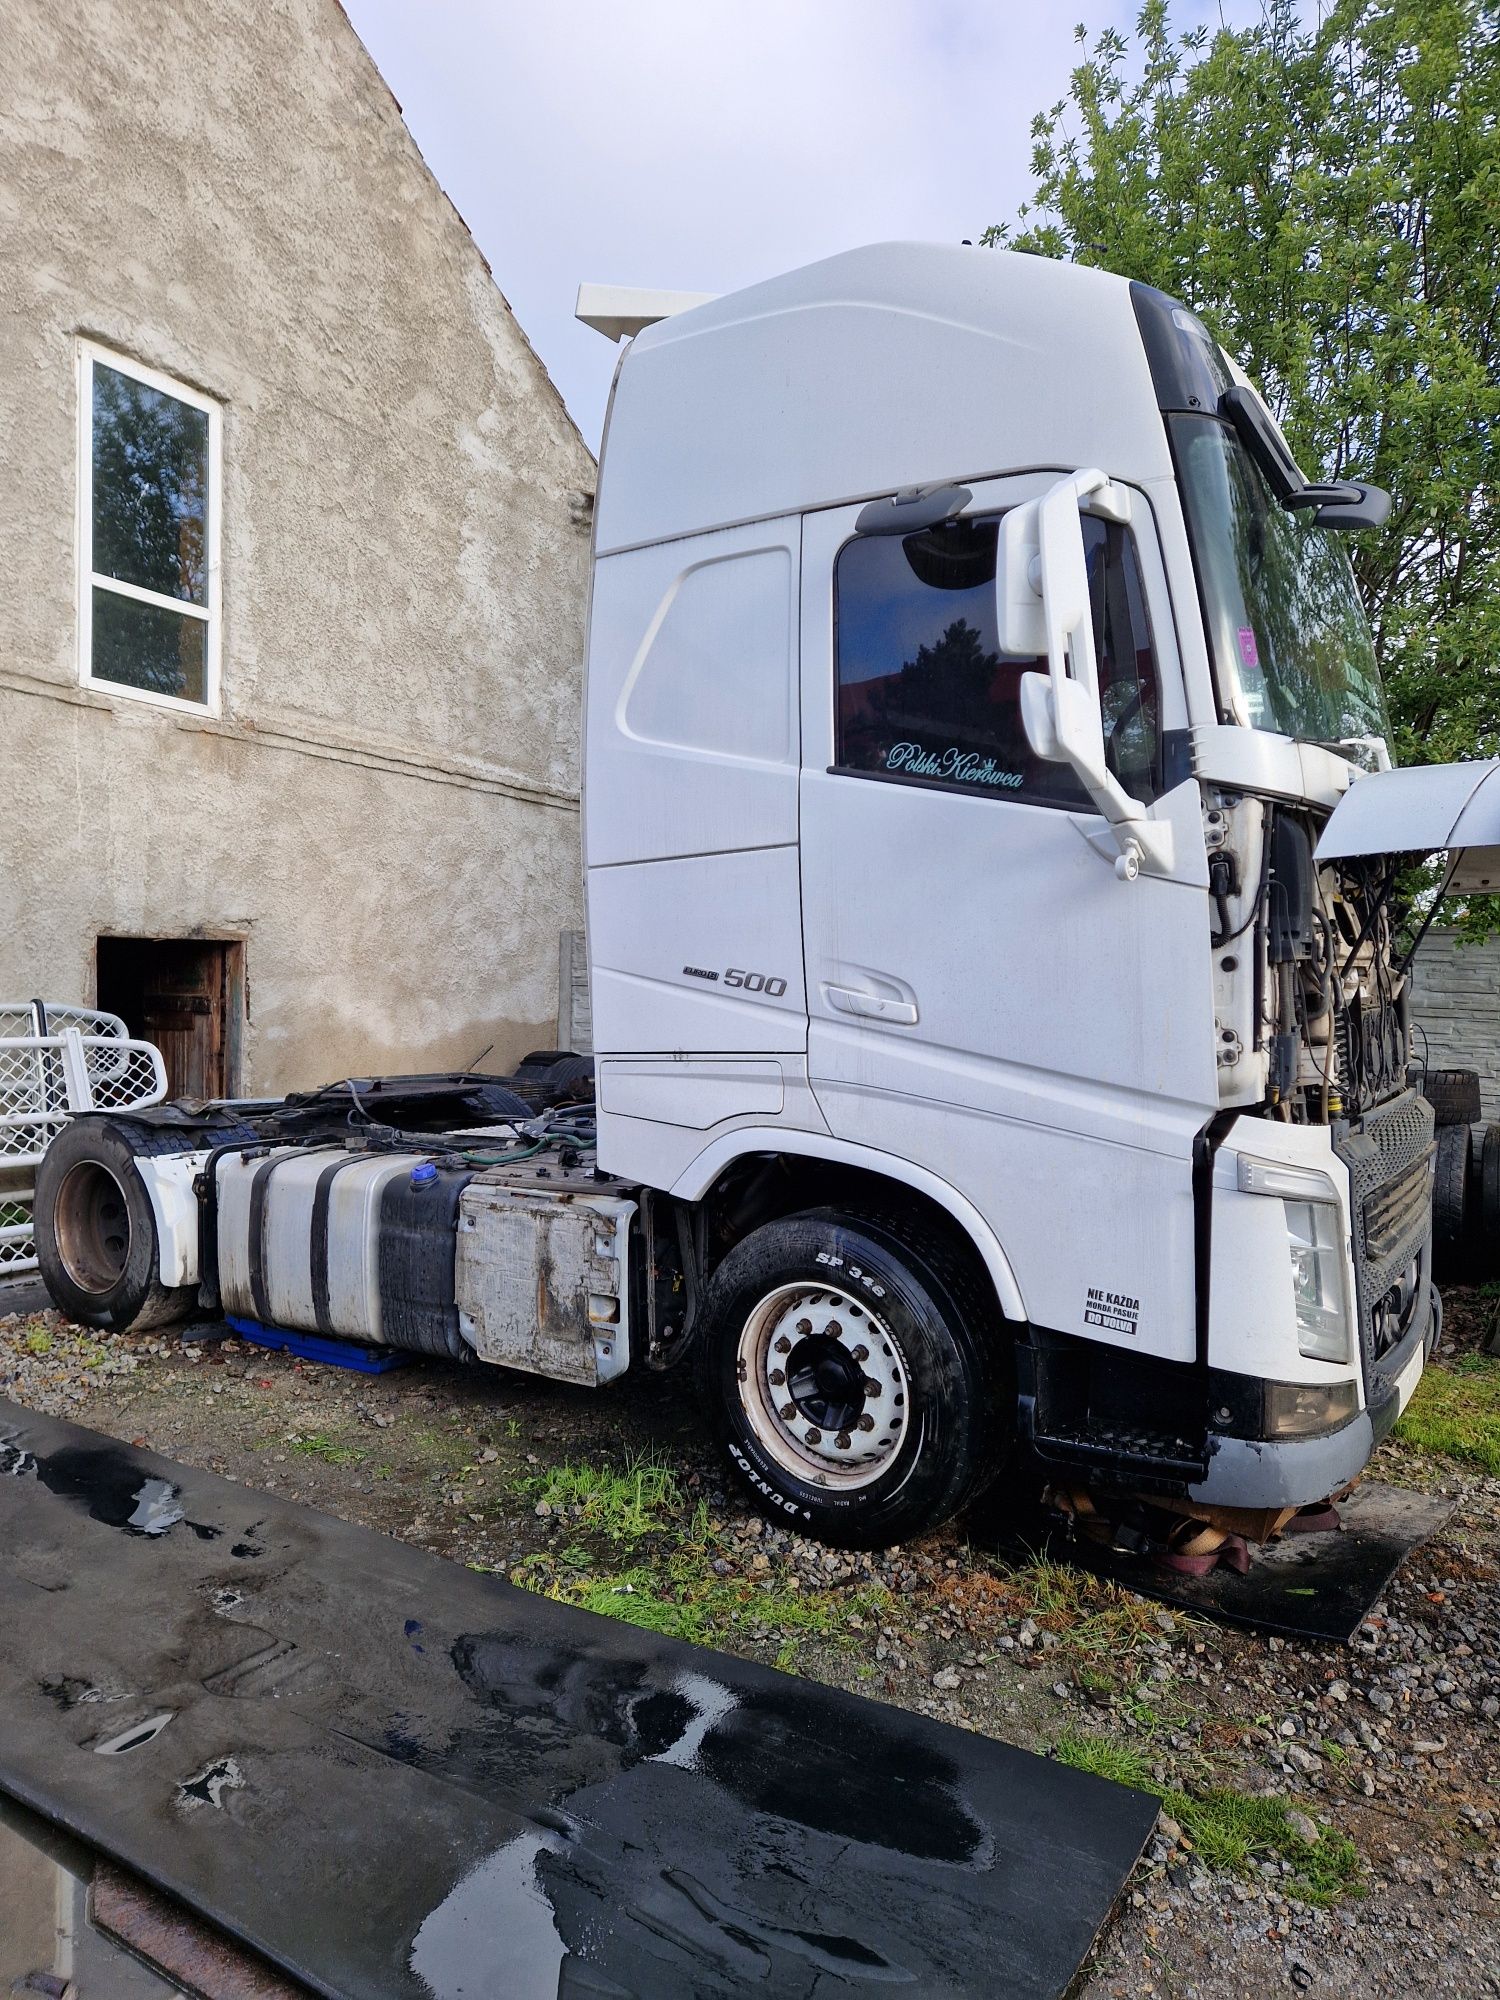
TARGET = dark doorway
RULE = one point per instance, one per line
(187, 996)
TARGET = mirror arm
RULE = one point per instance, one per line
(1074, 720)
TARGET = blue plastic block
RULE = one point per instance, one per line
(313, 1347)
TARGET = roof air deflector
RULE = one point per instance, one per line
(618, 311)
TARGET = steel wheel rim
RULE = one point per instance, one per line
(823, 1385)
(91, 1222)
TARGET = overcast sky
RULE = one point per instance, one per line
(702, 144)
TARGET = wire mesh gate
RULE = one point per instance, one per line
(57, 1059)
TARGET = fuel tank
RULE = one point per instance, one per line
(335, 1241)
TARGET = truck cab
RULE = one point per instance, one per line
(972, 680)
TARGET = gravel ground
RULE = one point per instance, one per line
(1331, 1822)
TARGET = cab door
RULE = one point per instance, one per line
(986, 997)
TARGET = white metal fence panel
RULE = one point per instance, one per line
(17, 1248)
(54, 1061)
(50, 1017)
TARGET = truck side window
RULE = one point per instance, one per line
(923, 695)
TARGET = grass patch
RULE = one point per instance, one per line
(624, 1506)
(1456, 1413)
(1230, 1830)
(686, 1603)
(632, 1597)
(39, 1343)
(319, 1444)
(684, 1596)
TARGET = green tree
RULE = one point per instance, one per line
(1325, 193)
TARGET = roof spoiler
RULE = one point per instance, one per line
(618, 311)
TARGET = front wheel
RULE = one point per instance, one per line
(859, 1378)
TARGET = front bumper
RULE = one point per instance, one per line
(1291, 1472)
(1284, 1472)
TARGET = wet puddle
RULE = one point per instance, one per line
(109, 1483)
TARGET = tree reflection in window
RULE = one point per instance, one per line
(150, 487)
(149, 482)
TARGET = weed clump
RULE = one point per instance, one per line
(322, 1444)
(624, 1506)
(1231, 1830)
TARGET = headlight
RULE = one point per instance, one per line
(1314, 1234)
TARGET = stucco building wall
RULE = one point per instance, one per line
(385, 807)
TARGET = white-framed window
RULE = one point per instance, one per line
(148, 534)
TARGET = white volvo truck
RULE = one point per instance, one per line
(1001, 1033)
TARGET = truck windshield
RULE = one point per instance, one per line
(1285, 623)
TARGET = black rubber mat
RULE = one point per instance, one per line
(1320, 1586)
(396, 1777)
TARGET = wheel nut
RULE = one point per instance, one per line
(804, 1327)
(778, 1376)
(788, 1412)
(842, 1440)
(865, 1423)
(783, 1345)
(814, 1437)
(860, 1354)
(872, 1387)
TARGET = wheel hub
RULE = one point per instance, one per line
(91, 1222)
(824, 1385)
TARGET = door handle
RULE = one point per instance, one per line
(873, 1006)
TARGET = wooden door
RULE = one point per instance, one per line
(179, 994)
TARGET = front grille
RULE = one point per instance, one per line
(1389, 1156)
(1393, 1213)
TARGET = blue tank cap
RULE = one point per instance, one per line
(423, 1174)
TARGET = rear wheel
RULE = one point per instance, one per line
(96, 1242)
(1484, 1200)
(1450, 1201)
(859, 1379)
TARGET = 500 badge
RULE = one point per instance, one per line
(747, 982)
(755, 982)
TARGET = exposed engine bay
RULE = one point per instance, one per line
(1320, 1030)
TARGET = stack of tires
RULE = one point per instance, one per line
(1466, 1183)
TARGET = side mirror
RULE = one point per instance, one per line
(1043, 609)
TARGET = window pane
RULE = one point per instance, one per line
(149, 646)
(150, 487)
(1284, 615)
(923, 692)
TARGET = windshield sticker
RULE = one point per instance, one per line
(959, 767)
(1249, 651)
